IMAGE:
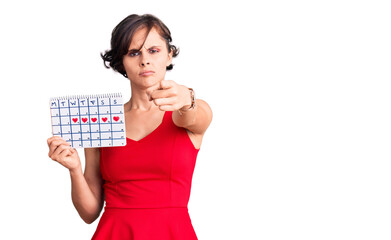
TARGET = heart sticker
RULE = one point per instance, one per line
(116, 118)
(84, 119)
(104, 119)
(74, 120)
(94, 119)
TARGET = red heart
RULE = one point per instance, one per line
(84, 120)
(74, 120)
(94, 119)
(104, 119)
(116, 118)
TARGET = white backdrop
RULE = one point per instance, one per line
(299, 146)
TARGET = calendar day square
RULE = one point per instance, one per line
(55, 121)
(76, 137)
(75, 120)
(118, 128)
(95, 128)
(104, 119)
(95, 136)
(118, 135)
(117, 109)
(105, 127)
(85, 136)
(74, 111)
(64, 120)
(56, 130)
(117, 118)
(55, 112)
(66, 129)
(67, 137)
(84, 119)
(64, 111)
(85, 128)
(106, 143)
(93, 110)
(95, 144)
(76, 128)
(105, 135)
(104, 109)
(84, 111)
(77, 144)
(119, 142)
(94, 119)
(86, 144)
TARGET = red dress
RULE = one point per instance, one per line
(147, 186)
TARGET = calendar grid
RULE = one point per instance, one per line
(89, 120)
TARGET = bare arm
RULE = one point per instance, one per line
(195, 120)
(87, 193)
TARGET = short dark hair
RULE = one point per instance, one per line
(122, 35)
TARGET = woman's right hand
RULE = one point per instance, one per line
(61, 152)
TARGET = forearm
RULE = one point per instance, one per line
(187, 118)
(195, 120)
(86, 203)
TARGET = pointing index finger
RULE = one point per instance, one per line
(165, 84)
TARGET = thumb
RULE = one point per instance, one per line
(72, 150)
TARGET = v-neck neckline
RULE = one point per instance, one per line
(151, 133)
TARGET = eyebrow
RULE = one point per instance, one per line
(136, 50)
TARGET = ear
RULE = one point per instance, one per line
(169, 59)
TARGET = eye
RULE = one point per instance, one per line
(153, 50)
(134, 53)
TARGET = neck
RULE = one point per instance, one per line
(140, 99)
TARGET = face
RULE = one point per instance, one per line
(147, 67)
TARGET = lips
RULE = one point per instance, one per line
(146, 73)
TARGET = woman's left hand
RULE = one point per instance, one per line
(171, 96)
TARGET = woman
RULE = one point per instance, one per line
(145, 184)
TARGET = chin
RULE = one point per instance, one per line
(147, 82)
(150, 82)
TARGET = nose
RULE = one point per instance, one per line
(144, 61)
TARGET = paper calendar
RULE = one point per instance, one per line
(89, 120)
